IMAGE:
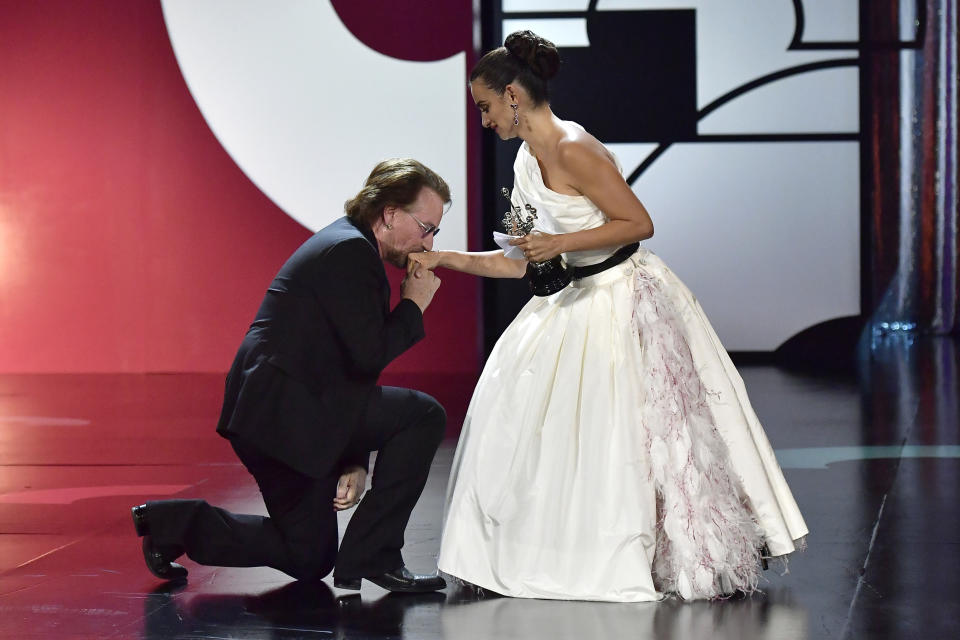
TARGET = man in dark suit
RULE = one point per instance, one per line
(303, 411)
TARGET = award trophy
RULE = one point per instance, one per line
(547, 277)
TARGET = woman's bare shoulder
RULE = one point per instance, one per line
(578, 148)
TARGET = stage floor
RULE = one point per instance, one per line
(873, 461)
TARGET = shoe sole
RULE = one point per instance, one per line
(354, 585)
(175, 572)
(347, 584)
(170, 578)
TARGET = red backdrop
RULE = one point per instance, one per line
(129, 240)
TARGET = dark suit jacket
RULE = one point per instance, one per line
(312, 356)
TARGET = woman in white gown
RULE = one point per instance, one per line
(609, 451)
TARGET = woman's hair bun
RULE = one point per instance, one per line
(538, 53)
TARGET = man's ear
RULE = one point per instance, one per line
(388, 214)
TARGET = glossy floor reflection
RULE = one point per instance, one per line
(872, 460)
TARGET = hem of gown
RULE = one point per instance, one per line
(779, 563)
(483, 591)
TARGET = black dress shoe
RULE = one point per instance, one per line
(160, 565)
(140, 522)
(397, 580)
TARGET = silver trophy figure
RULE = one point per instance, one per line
(547, 277)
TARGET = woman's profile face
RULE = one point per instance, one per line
(495, 111)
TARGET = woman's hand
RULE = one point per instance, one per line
(428, 259)
(350, 488)
(539, 247)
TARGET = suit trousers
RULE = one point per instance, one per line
(299, 537)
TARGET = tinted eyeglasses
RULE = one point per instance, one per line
(428, 229)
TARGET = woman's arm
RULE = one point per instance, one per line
(489, 264)
(596, 177)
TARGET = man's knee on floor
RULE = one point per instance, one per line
(311, 564)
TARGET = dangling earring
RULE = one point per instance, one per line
(388, 226)
(516, 114)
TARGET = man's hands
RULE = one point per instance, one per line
(353, 482)
(420, 284)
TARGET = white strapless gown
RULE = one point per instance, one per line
(610, 451)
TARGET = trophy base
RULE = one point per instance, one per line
(548, 277)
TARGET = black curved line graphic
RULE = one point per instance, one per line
(798, 24)
(797, 43)
(739, 91)
(773, 77)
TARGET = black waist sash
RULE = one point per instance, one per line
(593, 269)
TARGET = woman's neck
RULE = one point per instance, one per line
(541, 130)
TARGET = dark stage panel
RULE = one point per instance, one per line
(873, 460)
